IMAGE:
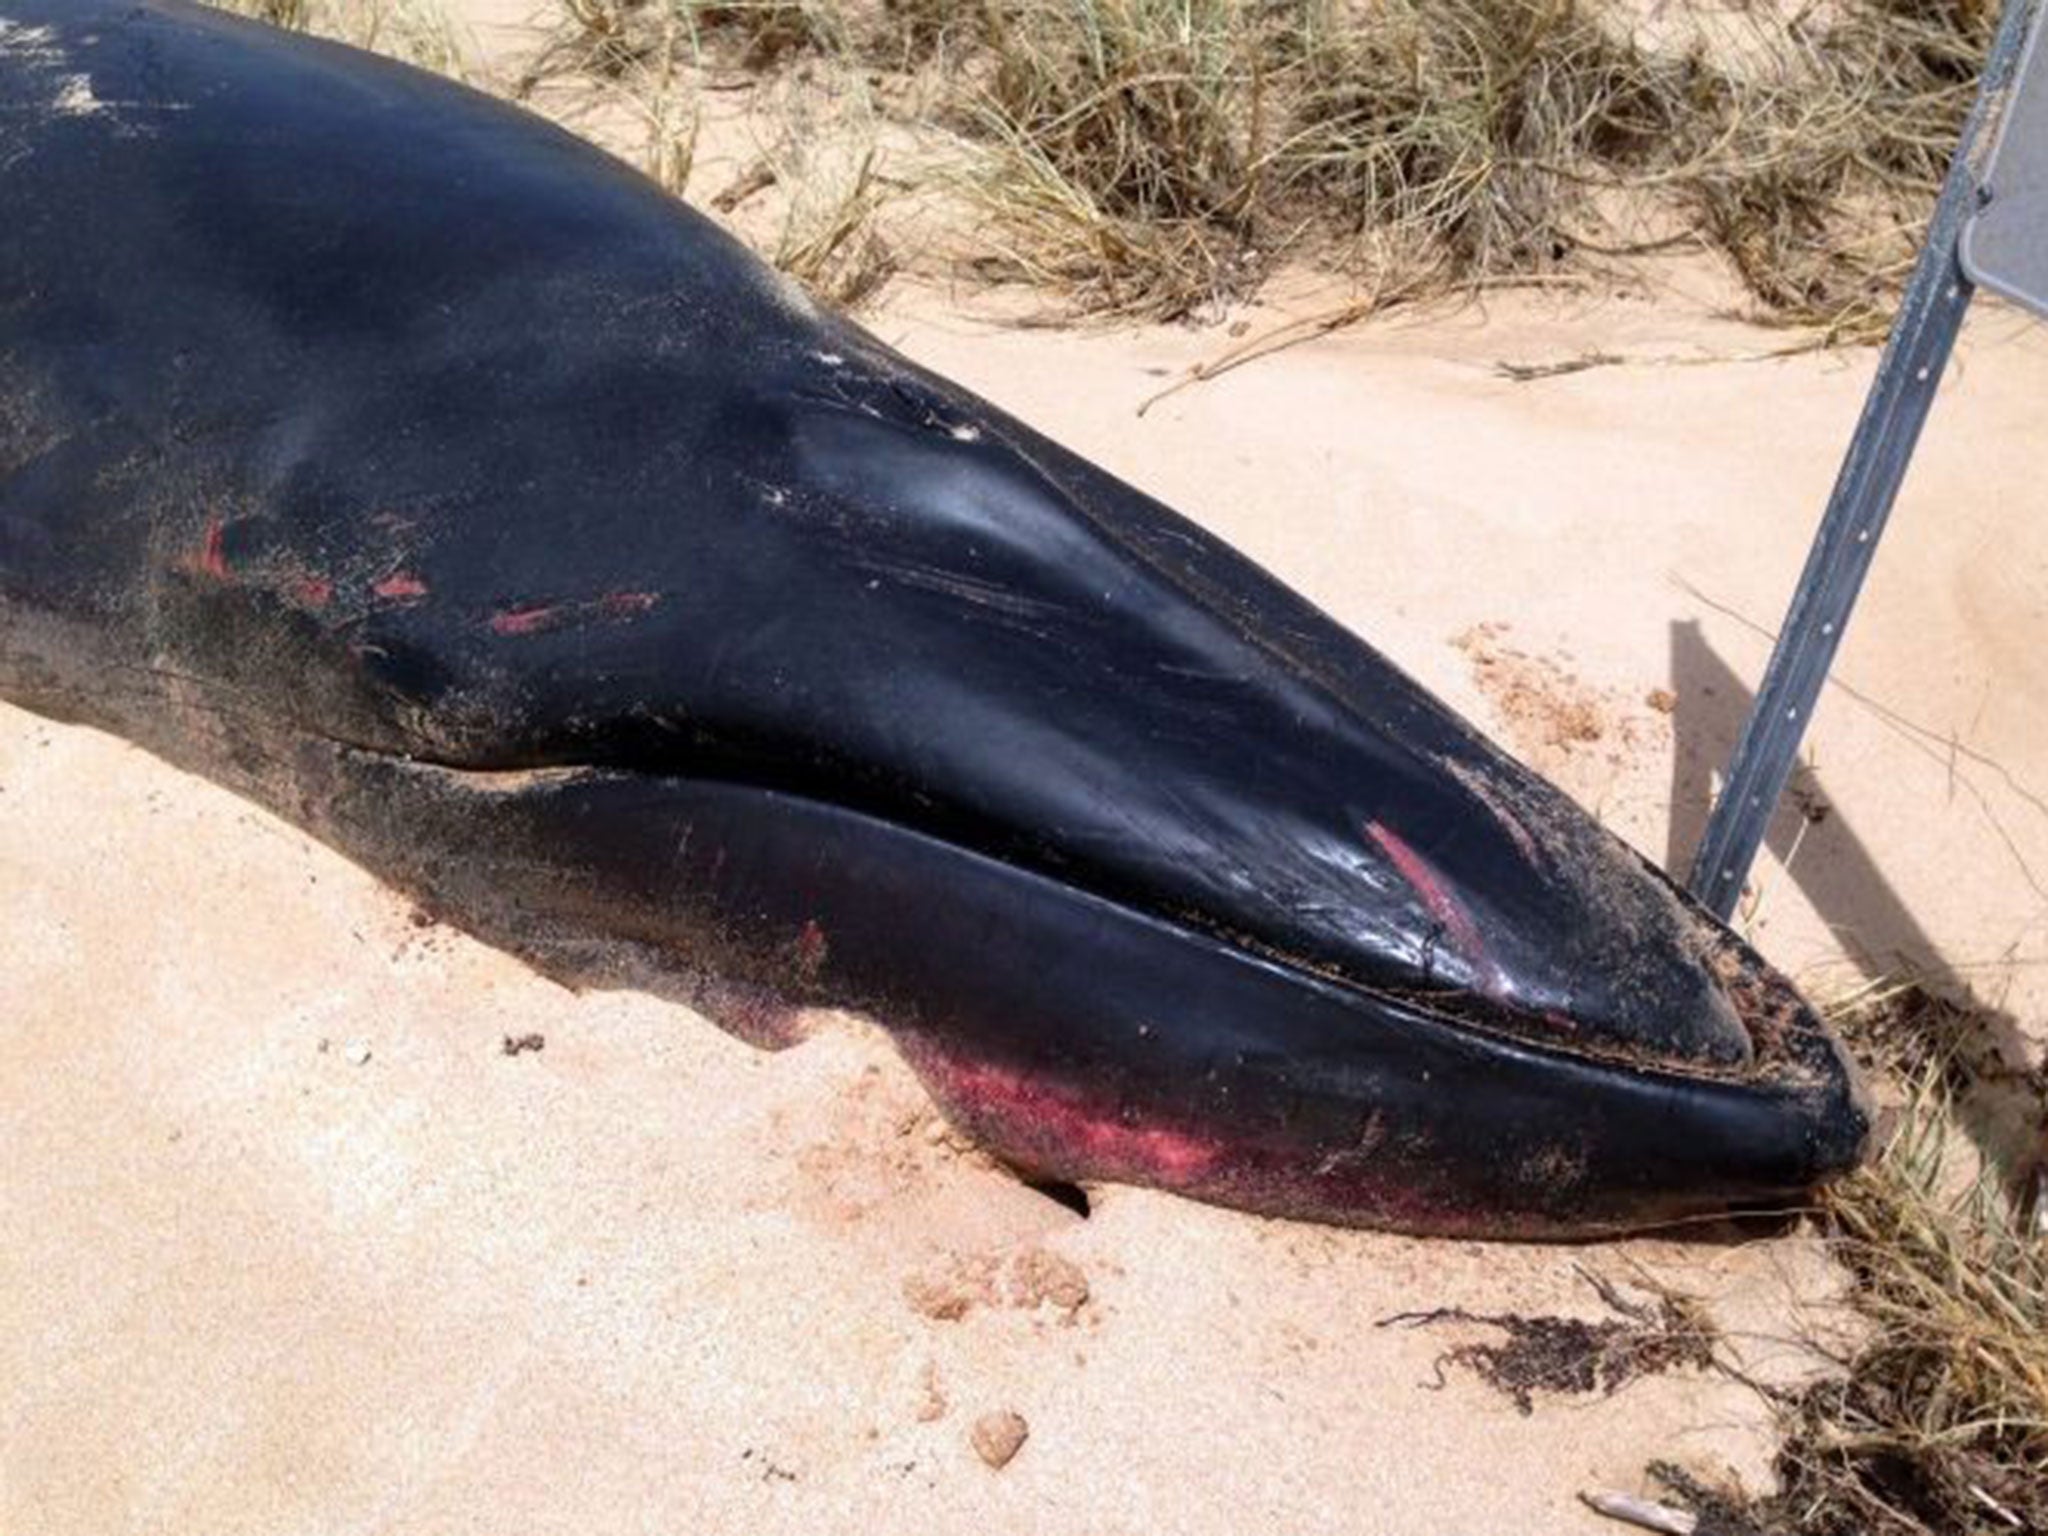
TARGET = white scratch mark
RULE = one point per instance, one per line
(35, 45)
(75, 99)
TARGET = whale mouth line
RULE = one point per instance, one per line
(1771, 1015)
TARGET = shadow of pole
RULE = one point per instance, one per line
(1821, 852)
(1825, 858)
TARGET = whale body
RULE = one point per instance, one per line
(406, 464)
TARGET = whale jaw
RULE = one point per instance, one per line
(1081, 1040)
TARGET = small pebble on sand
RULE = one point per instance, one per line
(998, 1437)
(358, 1052)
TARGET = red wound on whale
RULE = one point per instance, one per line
(213, 559)
(1033, 1119)
(533, 618)
(399, 587)
(530, 620)
(1441, 905)
(811, 949)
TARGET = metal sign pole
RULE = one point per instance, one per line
(1908, 374)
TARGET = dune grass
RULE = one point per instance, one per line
(418, 31)
(1831, 158)
(1940, 1421)
(612, 37)
(1155, 158)
(1147, 154)
(1153, 155)
(1936, 1422)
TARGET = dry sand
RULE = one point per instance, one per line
(290, 1242)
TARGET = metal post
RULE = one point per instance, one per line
(1908, 373)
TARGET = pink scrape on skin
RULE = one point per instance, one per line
(213, 558)
(313, 591)
(811, 948)
(523, 621)
(1055, 1116)
(1455, 921)
(532, 618)
(400, 587)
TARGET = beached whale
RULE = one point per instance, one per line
(408, 465)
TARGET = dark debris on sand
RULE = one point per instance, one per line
(1568, 1356)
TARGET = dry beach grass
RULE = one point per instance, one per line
(1938, 1419)
(1154, 157)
